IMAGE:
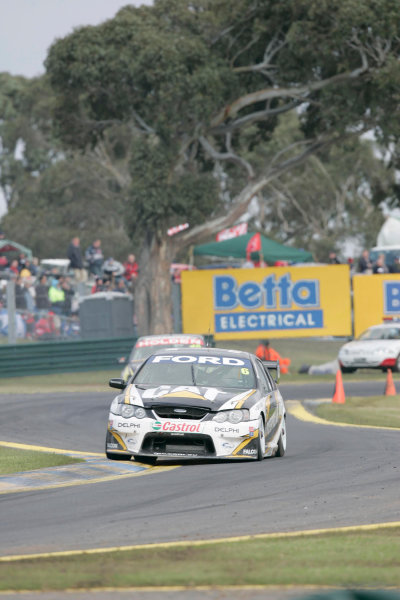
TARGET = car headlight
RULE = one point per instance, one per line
(115, 404)
(234, 416)
(129, 410)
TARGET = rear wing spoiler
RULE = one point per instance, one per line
(273, 365)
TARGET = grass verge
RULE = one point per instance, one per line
(300, 350)
(381, 411)
(351, 559)
(91, 381)
(15, 461)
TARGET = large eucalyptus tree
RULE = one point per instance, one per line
(201, 86)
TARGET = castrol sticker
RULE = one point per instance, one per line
(181, 427)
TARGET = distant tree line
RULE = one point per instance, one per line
(194, 112)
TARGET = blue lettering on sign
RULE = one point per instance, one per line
(391, 293)
(257, 321)
(270, 293)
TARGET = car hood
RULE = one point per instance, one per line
(211, 398)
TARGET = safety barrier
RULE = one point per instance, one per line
(63, 357)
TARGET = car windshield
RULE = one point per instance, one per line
(187, 370)
(381, 333)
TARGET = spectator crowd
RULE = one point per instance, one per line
(47, 298)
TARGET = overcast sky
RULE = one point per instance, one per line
(29, 27)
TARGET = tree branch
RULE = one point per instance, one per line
(229, 156)
(299, 93)
(243, 199)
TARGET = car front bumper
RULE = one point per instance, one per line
(175, 438)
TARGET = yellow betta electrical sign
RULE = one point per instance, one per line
(280, 301)
(376, 297)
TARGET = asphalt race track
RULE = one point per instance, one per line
(331, 476)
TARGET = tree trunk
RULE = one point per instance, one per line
(153, 301)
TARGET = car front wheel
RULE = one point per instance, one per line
(282, 441)
(113, 456)
(146, 460)
(261, 439)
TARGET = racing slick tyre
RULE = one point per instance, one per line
(112, 456)
(396, 367)
(146, 460)
(261, 439)
(282, 442)
(347, 369)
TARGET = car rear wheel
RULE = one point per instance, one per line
(146, 460)
(282, 441)
(261, 439)
(396, 367)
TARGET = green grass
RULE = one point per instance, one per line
(356, 559)
(95, 381)
(381, 411)
(306, 351)
(15, 461)
(301, 351)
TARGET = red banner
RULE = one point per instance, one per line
(177, 229)
(227, 234)
(254, 244)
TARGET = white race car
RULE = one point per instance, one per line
(198, 403)
(377, 348)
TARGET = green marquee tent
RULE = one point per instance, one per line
(236, 248)
(12, 249)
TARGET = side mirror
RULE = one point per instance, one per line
(118, 383)
(274, 366)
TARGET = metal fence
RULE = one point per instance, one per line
(63, 357)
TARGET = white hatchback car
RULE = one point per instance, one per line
(377, 348)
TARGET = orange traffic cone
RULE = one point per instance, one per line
(338, 396)
(390, 389)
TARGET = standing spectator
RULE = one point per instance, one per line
(20, 298)
(42, 294)
(131, 268)
(65, 285)
(25, 270)
(120, 286)
(98, 285)
(53, 276)
(21, 260)
(265, 352)
(74, 253)
(95, 258)
(57, 297)
(34, 266)
(29, 295)
(47, 327)
(248, 263)
(13, 268)
(333, 259)
(395, 267)
(365, 263)
(3, 263)
(112, 268)
(380, 265)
